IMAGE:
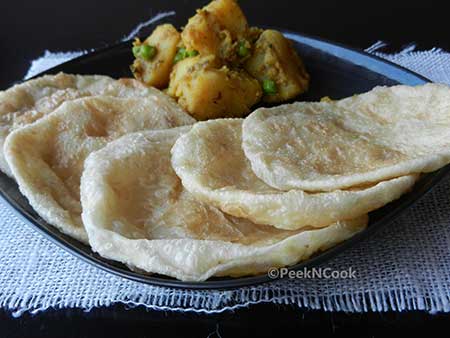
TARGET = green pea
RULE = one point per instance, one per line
(192, 53)
(147, 52)
(180, 55)
(242, 49)
(136, 51)
(269, 87)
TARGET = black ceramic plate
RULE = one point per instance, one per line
(336, 71)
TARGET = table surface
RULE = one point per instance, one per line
(28, 28)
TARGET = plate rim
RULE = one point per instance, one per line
(78, 249)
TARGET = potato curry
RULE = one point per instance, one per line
(218, 66)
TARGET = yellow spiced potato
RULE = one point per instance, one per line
(276, 65)
(229, 16)
(154, 57)
(202, 33)
(215, 29)
(218, 66)
(207, 91)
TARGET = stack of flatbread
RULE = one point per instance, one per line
(123, 168)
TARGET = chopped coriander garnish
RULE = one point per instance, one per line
(269, 87)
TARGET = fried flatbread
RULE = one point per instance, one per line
(31, 100)
(136, 211)
(212, 166)
(385, 133)
(47, 157)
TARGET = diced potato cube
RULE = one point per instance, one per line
(214, 26)
(206, 91)
(156, 71)
(229, 16)
(202, 33)
(274, 59)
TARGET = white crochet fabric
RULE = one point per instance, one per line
(406, 266)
